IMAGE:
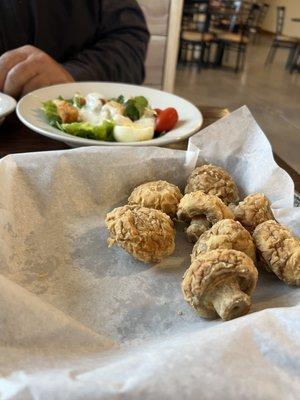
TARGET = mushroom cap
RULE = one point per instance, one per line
(280, 250)
(198, 203)
(253, 210)
(211, 179)
(207, 272)
(161, 195)
(225, 234)
(147, 234)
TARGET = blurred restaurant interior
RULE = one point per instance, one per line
(231, 53)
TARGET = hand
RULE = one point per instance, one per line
(28, 68)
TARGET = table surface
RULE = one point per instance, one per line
(17, 138)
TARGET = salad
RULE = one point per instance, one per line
(122, 120)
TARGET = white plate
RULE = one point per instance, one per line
(7, 106)
(29, 111)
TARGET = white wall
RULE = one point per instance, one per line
(292, 11)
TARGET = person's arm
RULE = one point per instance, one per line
(120, 47)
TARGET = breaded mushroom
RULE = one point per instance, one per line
(253, 210)
(147, 234)
(225, 234)
(220, 282)
(280, 251)
(201, 211)
(161, 195)
(211, 179)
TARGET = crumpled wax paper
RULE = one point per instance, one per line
(81, 321)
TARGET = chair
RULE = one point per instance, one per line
(195, 40)
(260, 19)
(225, 18)
(294, 65)
(230, 41)
(281, 41)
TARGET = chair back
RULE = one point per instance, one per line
(225, 14)
(262, 15)
(195, 16)
(249, 19)
(280, 20)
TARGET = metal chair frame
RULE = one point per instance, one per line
(277, 43)
(199, 9)
(241, 46)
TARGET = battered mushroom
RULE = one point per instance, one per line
(220, 283)
(211, 179)
(280, 250)
(225, 234)
(202, 211)
(160, 195)
(253, 210)
(145, 233)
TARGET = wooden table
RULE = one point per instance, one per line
(17, 138)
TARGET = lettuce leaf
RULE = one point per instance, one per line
(86, 130)
(135, 107)
(50, 110)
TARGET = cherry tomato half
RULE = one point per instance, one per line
(166, 120)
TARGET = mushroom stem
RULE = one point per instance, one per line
(198, 225)
(229, 301)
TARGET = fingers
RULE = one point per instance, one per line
(34, 83)
(17, 77)
(11, 58)
(28, 68)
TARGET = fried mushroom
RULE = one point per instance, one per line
(201, 211)
(253, 210)
(147, 234)
(160, 195)
(220, 283)
(225, 234)
(211, 179)
(280, 251)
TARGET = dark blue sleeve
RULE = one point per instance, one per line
(119, 49)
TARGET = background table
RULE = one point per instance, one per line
(17, 138)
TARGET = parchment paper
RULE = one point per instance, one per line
(81, 321)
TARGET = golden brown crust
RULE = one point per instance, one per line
(253, 210)
(225, 234)
(66, 111)
(198, 203)
(160, 195)
(207, 273)
(145, 233)
(214, 180)
(280, 250)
